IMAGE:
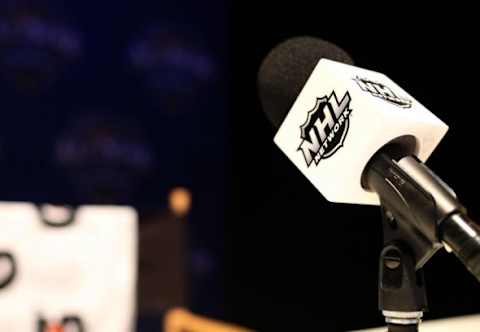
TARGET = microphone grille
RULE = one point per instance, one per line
(286, 69)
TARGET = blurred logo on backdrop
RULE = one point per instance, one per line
(174, 65)
(105, 157)
(67, 324)
(36, 47)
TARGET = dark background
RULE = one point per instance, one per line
(295, 261)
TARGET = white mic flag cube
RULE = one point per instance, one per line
(341, 118)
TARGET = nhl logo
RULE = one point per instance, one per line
(325, 129)
(382, 91)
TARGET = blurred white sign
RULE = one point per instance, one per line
(65, 270)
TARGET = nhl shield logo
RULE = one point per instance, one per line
(326, 128)
(382, 91)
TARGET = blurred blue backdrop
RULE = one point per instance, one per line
(119, 102)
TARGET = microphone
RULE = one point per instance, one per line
(360, 138)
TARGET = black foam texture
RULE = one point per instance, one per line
(287, 68)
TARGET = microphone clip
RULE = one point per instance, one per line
(401, 287)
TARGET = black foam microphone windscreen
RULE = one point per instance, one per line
(287, 68)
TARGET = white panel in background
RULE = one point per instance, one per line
(83, 273)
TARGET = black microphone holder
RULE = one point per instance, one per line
(401, 288)
(420, 215)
